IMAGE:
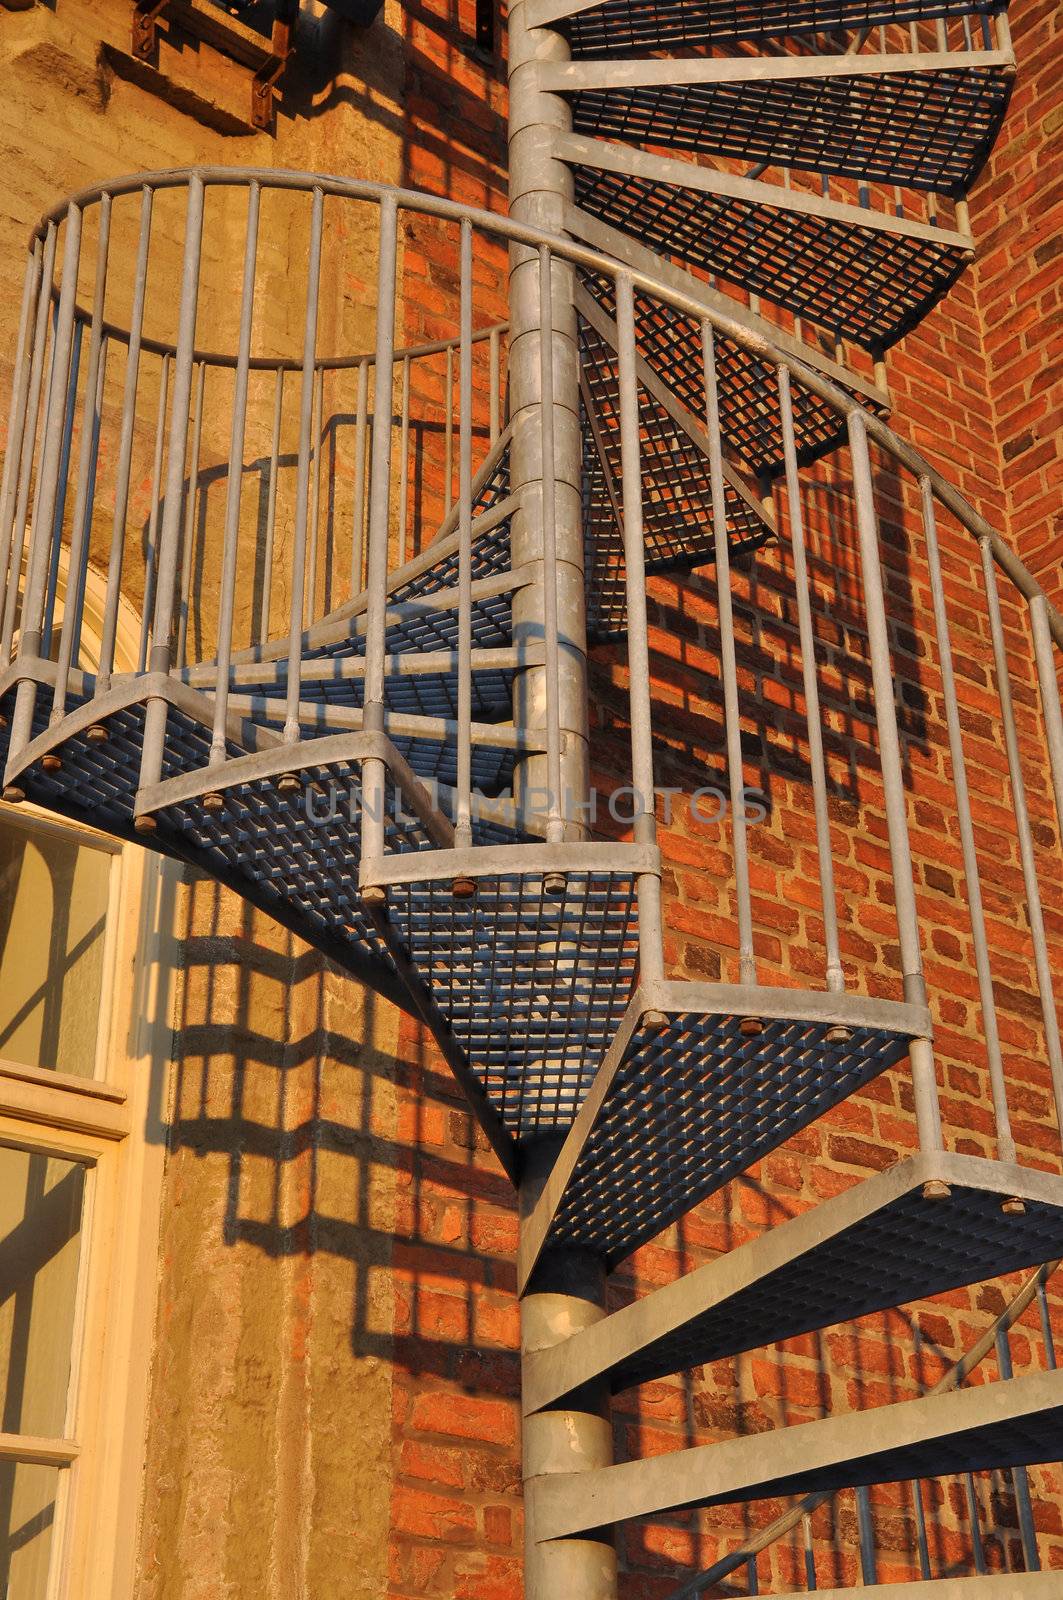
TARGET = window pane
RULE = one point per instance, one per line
(53, 910)
(40, 1226)
(27, 1513)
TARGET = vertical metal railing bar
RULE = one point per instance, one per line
(972, 875)
(32, 428)
(404, 465)
(358, 528)
(921, 1540)
(160, 661)
(1042, 963)
(728, 666)
(48, 485)
(150, 553)
(59, 513)
(494, 384)
(977, 1546)
(448, 452)
(463, 800)
(752, 1581)
(813, 716)
(555, 825)
(75, 602)
(865, 1534)
(313, 531)
(28, 522)
(648, 889)
(1019, 1476)
(1048, 683)
(84, 495)
(809, 1552)
(16, 430)
(271, 507)
(924, 1080)
(190, 503)
(302, 479)
(234, 483)
(123, 465)
(1046, 1327)
(373, 774)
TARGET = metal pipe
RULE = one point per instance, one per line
(151, 553)
(728, 667)
(1019, 1478)
(31, 429)
(972, 876)
(159, 661)
(84, 495)
(358, 530)
(813, 715)
(41, 532)
(463, 800)
(190, 503)
(310, 606)
(302, 481)
(448, 456)
(555, 826)
(112, 596)
(373, 772)
(76, 597)
(234, 485)
(494, 382)
(63, 477)
(1042, 963)
(20, 386)
(404, 466)
(1048, 682)
(651, 933)
(271, 507)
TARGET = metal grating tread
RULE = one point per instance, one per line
(603, 550)
(670, 343)
(429, 694)
(694, 1104)
(676, 492)
(868, 1250)
(533, 986)
(925, 130)
(867, 284)
(626, 27)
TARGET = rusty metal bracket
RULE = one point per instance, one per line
(146, 15)
(266, 80)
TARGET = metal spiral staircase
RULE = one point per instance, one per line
(370, 568)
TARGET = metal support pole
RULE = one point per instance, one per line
(540, 187)
(566, 1294)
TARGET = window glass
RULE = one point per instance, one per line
(53, 912)
(40, 1233)
(27, 1514)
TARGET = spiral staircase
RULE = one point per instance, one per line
(722, 219)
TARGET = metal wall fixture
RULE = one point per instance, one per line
(373, 526)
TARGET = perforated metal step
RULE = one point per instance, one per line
(870, 281)
(879, 1245)
(878, 120)
(626, 27)
(688, 1097)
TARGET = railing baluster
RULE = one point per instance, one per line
(84, 495)
(494, 382)
(76, 597)
(59, 514)
(977, 1546)
(924, 1081)
(972, 875)
(41, 532)
(865, 1528)
(271, 507)
(651, 937)
(234, 489)
(1019, 1476)
(358, 524)
(922, 1542)
(160, 661)
(16, 428)
(404, 463)
(1046, 1327)
(373, 771)
(555, 825)
(29, 445)
(729, 670)
(151, 553)
(1048, 683)
(1042, 964)
(813, 717)
(191, 501)
(316, 425)
(123, 467)
(288, 781)
(448, 454)
(463, 803)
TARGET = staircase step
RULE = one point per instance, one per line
(922, 121)
(864, 274)
(993, 1426)
(686, 1100)
(879, 1245)
(625, 27)
(532, 979)
(997, 1586)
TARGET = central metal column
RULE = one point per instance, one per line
(539, 188)
(566, 1294)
